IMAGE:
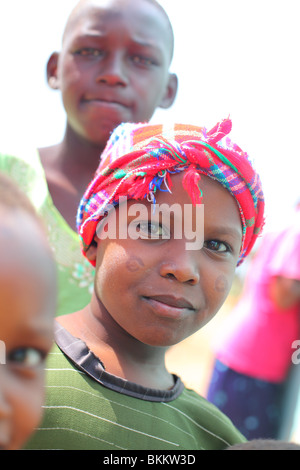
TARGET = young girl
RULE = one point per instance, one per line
(27, 307)
(108, 387)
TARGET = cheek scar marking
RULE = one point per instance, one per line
(221, 284)
(134, 264)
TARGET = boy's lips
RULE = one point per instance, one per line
(106, 100)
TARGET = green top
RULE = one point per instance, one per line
(75, 273)
(88, 409)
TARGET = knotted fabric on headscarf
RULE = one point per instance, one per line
(141, 158)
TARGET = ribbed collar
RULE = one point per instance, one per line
(85, 360)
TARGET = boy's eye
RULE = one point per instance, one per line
(89, 52)
(26, 357)
(142, 60)
(217, 245)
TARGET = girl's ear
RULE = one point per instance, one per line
(91, 252)
(171, 92)
(52, 71)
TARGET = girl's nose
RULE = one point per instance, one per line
(183, 266)
(112, 71)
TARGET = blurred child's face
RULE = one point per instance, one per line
(114, 66)
(26, 329)
(155, 289)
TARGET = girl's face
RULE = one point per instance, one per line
(26, 334)
(157, 290)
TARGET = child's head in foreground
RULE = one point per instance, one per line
(155, 288)
(113, 66)
(27, 306)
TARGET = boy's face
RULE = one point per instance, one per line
(26, 334)
(155, 289)
(114, 66)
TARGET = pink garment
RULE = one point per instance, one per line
(258, 337)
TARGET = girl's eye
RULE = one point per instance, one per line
(26, 357)
(218, 246)
(152, 230)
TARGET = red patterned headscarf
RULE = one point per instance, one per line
(140, 158)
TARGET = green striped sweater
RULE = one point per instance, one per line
(87, 408)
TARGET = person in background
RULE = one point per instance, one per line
(27, 308)
(254, 347)
(113, 67)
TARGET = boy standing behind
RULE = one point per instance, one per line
(113, 67)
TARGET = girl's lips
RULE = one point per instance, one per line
(170, 306)
(179, 302)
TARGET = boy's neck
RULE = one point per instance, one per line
(73, 152)
(69, 167)
(121, 355)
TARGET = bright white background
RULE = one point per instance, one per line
(233, 57)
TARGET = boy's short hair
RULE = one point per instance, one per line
(140, 158)
(153, 2)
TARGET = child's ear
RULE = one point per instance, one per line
(91, 252)
(52, 71)
(171, 92)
